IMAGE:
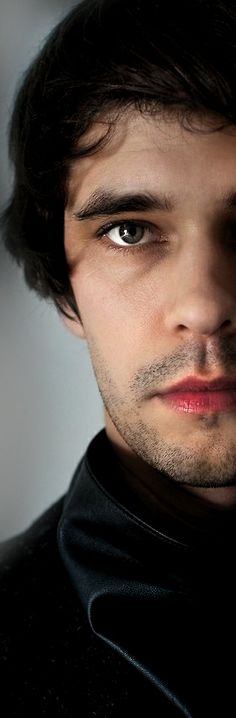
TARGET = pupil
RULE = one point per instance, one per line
(132, 231)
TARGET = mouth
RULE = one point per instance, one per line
(195, 396)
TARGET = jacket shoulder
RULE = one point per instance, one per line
(31, 569)
(32, 555)
(51, 661)
(42, 622)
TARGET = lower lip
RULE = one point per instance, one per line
(199, 402)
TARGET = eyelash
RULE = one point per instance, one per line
(100, 234)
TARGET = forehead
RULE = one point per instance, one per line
(143, 150)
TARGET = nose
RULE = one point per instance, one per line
(204, 293)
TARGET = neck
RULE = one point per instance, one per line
(155, 493)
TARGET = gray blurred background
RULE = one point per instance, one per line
(50, 406)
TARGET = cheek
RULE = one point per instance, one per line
(105, 302)
(121, 307)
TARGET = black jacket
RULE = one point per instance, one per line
(104, 615)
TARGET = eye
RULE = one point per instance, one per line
(129, 237)
(128, 233)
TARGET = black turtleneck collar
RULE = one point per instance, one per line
(156, 598)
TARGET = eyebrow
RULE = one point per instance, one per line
(104, 202)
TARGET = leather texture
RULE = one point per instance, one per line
(166, 606)
(103, 615)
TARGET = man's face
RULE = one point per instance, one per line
(165, 308)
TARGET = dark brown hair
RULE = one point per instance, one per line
(154, 55)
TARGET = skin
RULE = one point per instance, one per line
(152, 318)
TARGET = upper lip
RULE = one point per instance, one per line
(192, 383)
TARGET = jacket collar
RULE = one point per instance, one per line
(139, 586)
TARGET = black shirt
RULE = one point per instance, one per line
(107, 613)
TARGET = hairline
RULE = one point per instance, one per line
(110, 114)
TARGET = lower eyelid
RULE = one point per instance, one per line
(122, 249)
(132, 250)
